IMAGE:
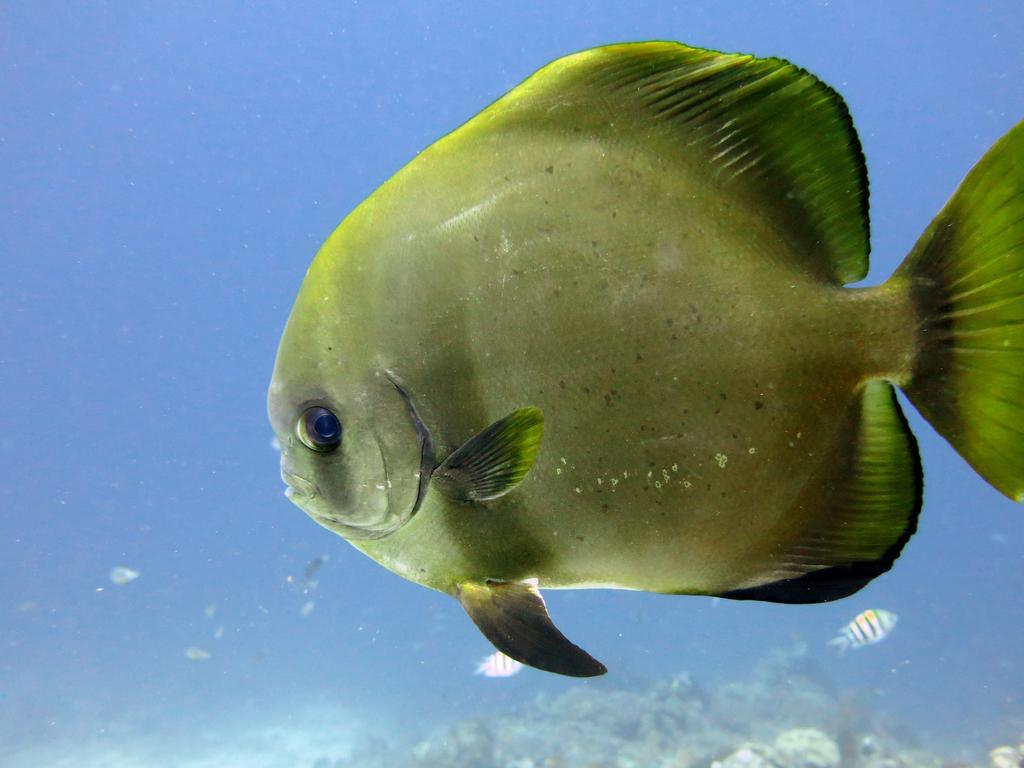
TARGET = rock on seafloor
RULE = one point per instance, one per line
(807, 748)
(786, 715)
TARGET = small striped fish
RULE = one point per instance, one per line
(867, 628)
(498, 665)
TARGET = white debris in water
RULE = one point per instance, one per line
(721, 460)
(122, 575)
(307, 608)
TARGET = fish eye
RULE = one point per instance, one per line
(319, 429)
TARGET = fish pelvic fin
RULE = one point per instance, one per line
(965, 277)
(513, 616)
(494, 461)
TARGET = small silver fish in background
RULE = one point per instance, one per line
(311, 569)
(309, 582)
(867, 628)
(498, 665)
(122, 575)
(195, 653)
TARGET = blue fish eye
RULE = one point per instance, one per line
(319, 429)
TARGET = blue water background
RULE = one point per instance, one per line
(167, 171)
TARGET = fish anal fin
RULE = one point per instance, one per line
(512, 615)
(493, 461)
(854, 517)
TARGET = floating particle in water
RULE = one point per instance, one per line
(219, 632)
(122, 575)
(210, 611)
(307, 608)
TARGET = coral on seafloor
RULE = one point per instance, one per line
(785, 716)
(1007, 757)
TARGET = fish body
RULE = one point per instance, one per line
(598, 337)
(122, 575)
(498, 665)
(195, 653)
(866, 628)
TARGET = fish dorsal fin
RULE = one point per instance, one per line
(762, 129)
(512, 615)
(853, 516)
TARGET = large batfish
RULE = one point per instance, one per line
(598, 337)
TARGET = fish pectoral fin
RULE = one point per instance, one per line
(512, 615)
(494, 461)
(853, 516)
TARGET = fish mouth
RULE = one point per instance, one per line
(299, 488)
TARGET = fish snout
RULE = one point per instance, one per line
(298, 486)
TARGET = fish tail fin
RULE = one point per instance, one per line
(966, 281)
(840, 643)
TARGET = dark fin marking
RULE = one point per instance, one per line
(494, 461)
(512, 615)
(765, 131)
(966, 279)
(859, 512)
